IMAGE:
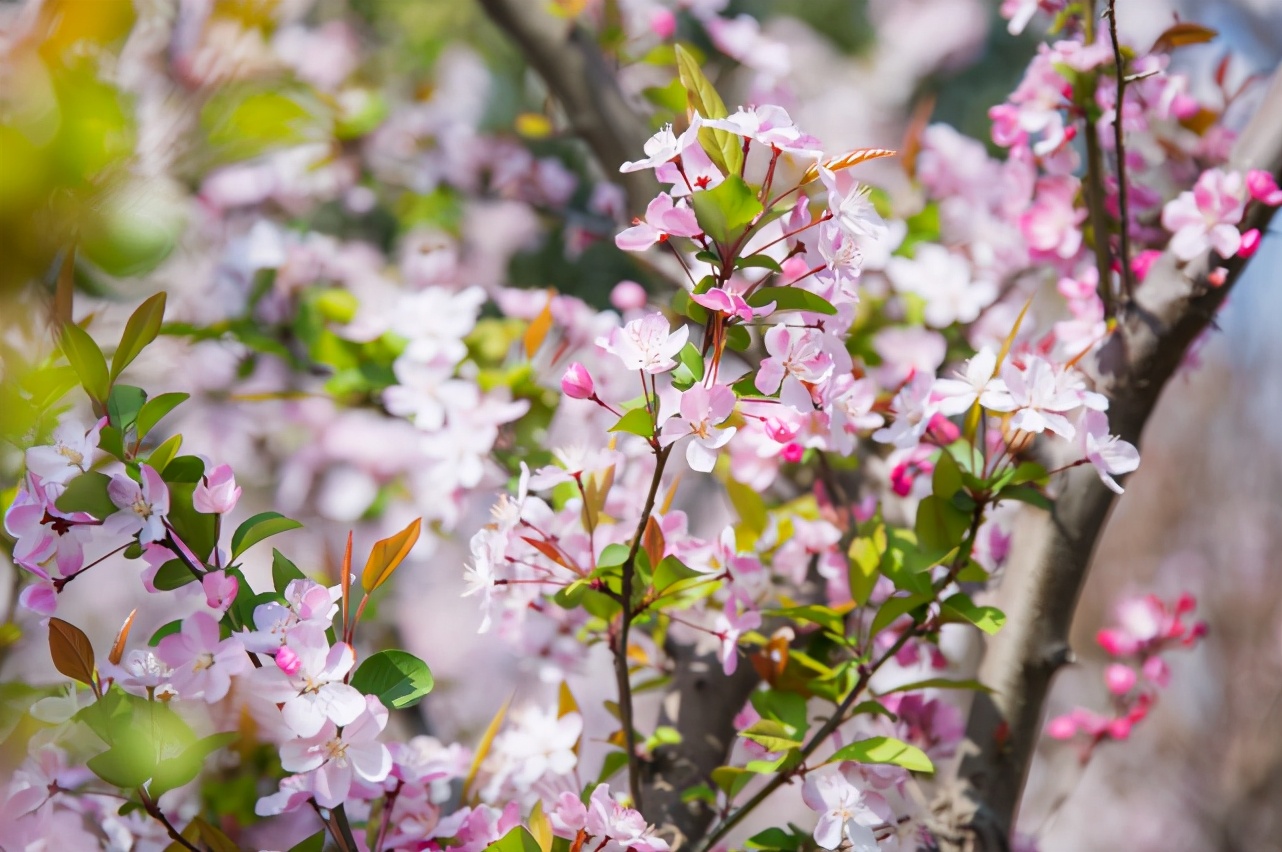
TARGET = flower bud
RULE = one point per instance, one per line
(217, 492)
(1119, 678)
(288, 661)
(628, 296)
(577, 382)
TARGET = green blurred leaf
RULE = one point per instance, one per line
(791, 299)
(155, 409)
(940, 526)
(725, 149)
(960, 607)
(87, 360)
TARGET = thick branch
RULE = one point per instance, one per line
(577, 75)
(1174, 305)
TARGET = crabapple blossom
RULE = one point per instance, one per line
(331, 761)
(646, 344)
(142, 506)
(796, 359)
(944, 280)
(311, 691)
(577, 382)
(845, 815)
(664, 146)
(1037, 396)
(730, 304)
(738, 616)
(1109, 454)
(913, 411)
(977, 381)
(203, 663)
(663, 219)
(701, 409)
(217, 491)
(625, 827)
(849, 204)
(71, 453)
(1207, 216)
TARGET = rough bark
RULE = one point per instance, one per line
(583, 83)
(1173, 306)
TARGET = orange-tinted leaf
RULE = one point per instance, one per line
(72, 652)
(1182, 34)
(672, 492)
(846, 160)
(1201, 121)
(547, 549)
(483, 748)
(540, 828)
(771, 660)
(1010, 338)
(345, 579)
(565, 704)
(653, 542)
(118, 647)
(538, 328)
(912, 136)
(388, 554)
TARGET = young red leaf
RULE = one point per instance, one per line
(72, 652)
(388, 554)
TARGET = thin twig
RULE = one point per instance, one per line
(1119, 145)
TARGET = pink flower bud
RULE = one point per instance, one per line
(577, 382)
(663, 23)
(1156, 671)
(1119, 678)
(1217, 277)
(793, 452)
(1061, 728)
(1263, 187)
(628, 296)
(217, 492)
(1143, 262)
(944, 430)
(220, 589)
(288, 661)
(1250, 242)
(1120, 729)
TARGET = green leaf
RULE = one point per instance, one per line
(731, 779)
(195, 529)
(737, 338)
(259, 527)
(939, 683)
(172, 575)
(941, 526)
(778, 839)
(172, 627)
(155, 409)
(748, 504)
(397, 678)
(87, 360)
(518, 839)
(947, 478)
(173, 772)
(758, 261)
(865, 561)
(88, 493)
(283, 571)
(1026, 494)
(894, 607)
(160, 457)
(315, 843)
(689, 367)
(791, 299)
(140, 330)
(123, 404)
(187, 469)
(614, 761)
(885, 750)
(724, 148)
(727, 209)
(111, 441)
(773, 735)
(671, 571)
(960, 607)
(786, 707)
(637, 422)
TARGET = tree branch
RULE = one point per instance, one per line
(1174, 305)
(576, 74)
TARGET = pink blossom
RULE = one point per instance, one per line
(1120, 679)
(1250, 243)
(203, 664)
(956, 396)
(577, 382)
(628, 296)
(768, 125)
(1110, 454)
(1052, 224)
(1207, 217)
(730, 304)
(1263, 187)
(142, 507)
(663, 219)
(1039, 397)
(625, 827)
(217, 491)
(945, 281)
(646, 344)
(738, 615)
(220, 590)
(913, 412)
(850, 205)
(310, 687)
(71, 454)
(701, 410)
(569, 817)
(844, 815)
(796, 358)
(335, 760)
(663, 147)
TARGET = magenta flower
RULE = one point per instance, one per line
(577, 382)
(217, 492)
(142, 506)
(337, 759)
(730, 304)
